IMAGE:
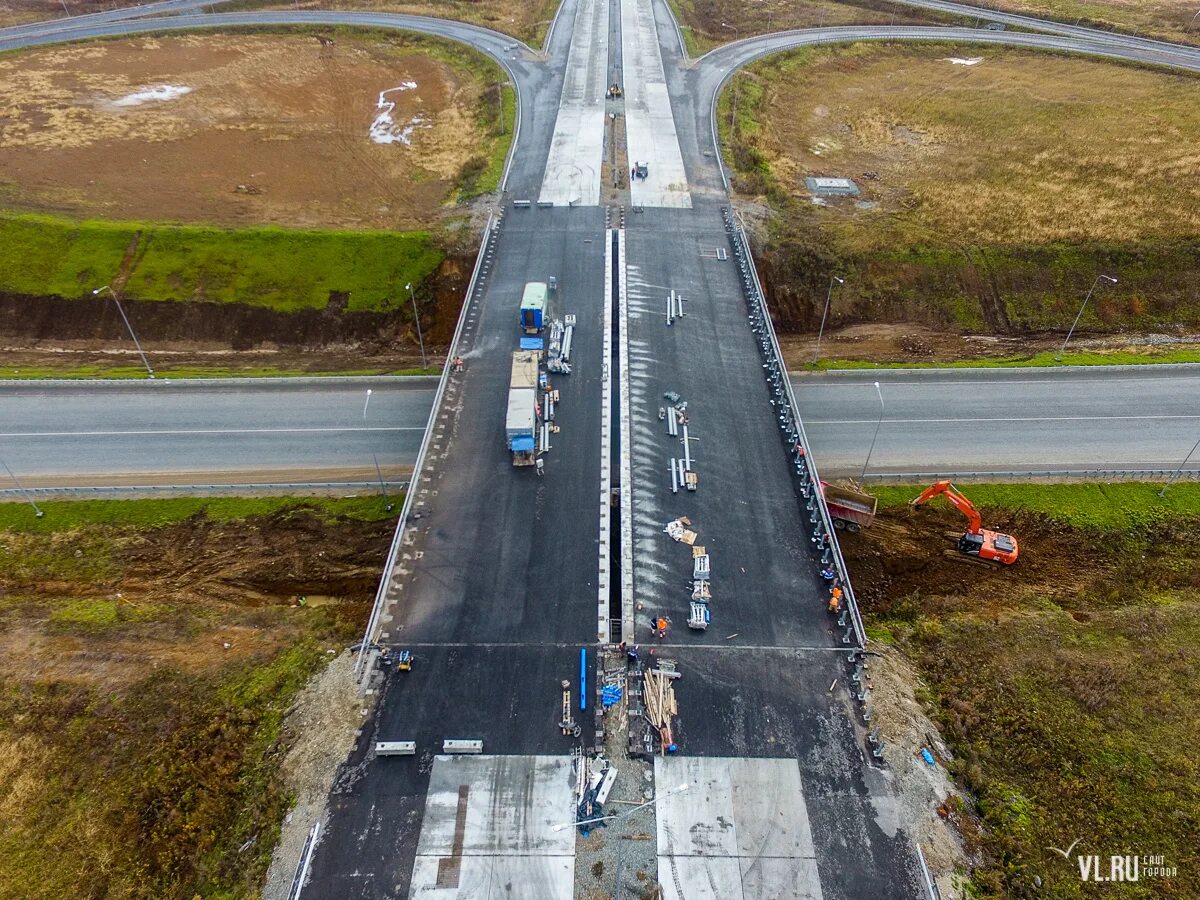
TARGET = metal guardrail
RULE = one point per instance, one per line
(931, 888)
(1147, 475)
(193, 489)
(305, 862)
(823, 529)
(385, 580)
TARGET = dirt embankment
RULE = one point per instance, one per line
(901, 564)
(48, 323)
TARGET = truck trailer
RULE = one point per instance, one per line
(521, 422)
(533, 307)
(849, 509)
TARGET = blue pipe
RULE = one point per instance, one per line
(583, 679)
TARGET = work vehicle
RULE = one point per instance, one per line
(533, 306)
(848, 508)
(614, 91)
(978, 543)
(520, 426)
(641, 170)
(404, 661)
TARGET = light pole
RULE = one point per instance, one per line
(1179, 471)
(737, 36)
(121, 310)
(1193, 21)
(621, 815)
(1099, 278)
(387, 504)
(828, 297)
(417, 320)
(21, 488)
(871, 449)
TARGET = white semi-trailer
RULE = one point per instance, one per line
(521, 422)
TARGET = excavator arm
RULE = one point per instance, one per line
(961, 503)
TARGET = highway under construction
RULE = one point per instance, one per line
(528, 613)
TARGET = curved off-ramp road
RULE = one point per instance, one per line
(506, 576)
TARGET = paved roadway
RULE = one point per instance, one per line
(999, 420)
(495, 583)
(212, 431)
(945, 421)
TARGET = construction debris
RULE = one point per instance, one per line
(658, 695)
(568, 724)
(677, 530)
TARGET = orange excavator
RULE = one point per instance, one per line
(978, 543)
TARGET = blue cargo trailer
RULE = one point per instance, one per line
(533, 307)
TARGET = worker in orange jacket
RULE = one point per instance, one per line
(835, 599)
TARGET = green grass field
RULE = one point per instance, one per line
(64, 515)
(1110, 507)
(126, 372)
(277, 268)
(1046, 359)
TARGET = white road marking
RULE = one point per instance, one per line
(577, 146)
(740, 832)
(649, 124)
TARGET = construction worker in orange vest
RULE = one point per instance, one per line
(835, 599)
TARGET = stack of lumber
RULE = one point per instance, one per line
(658, 695)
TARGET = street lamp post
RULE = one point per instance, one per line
(1179, 471)
(875, 436)
(417, 319)
(387, 503)
(1099, 278)
(828, 297)
(20, 487)
(128, 327)
(1193, 21)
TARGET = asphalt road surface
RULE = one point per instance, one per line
(1001, 420)
(167, 432)
(936, 421)
(494, 582)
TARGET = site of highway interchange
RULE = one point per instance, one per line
(863, 716)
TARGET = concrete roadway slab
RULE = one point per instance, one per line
(577, 146)
(649, 122)
(740, 831)
(489, 829)
(744, 702)
(508, 697)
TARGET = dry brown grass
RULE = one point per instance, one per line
(710, 23)
(524, 19)
(1022, 148)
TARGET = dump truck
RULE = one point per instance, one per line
(533, 307)
(521, 422)
(849, 509)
